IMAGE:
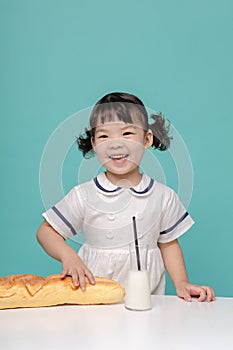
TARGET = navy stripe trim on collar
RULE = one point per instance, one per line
(176, 224)
(62, 217)
(146, 189)
(119, 188)
(103, 189)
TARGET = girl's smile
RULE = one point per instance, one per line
(119, 158)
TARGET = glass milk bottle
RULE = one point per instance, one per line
(138, 294)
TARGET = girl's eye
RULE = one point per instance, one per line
(126, 133)
(102, 137)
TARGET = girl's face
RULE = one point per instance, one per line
(119, 148)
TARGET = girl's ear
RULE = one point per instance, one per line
(93, 143)
(148, 141)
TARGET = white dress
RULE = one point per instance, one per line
(103, 213)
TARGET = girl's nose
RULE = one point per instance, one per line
(116, 143)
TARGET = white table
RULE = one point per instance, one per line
(171, 324)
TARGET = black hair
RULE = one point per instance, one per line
(129, 109)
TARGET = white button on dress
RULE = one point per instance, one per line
(109, 235)
(111, 216)
(139, 216)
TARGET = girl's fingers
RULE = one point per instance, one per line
(187, 297)
(82, 278)
(75, 279)
(90, 276)
(79, 275)
(184, 294)
(79, 278)
(64, 273)
(203, 293)
(74, 276)
(82, 281)
(210, 295)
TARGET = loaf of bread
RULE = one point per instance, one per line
(34, 291)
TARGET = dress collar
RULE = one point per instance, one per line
(104, 185)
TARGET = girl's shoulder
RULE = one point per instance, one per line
(163, 190)
(163, 187)
(157, 185)
(81, 189)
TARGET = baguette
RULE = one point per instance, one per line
(29, 290)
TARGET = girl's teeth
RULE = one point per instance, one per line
(118, 156)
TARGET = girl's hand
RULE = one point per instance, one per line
(73, 266)
(187, 290)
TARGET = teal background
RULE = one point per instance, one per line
(58, 57)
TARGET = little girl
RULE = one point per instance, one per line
(103, 208)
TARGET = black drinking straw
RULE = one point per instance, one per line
(136, 244)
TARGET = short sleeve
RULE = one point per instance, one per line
(175, 219)
(66, 216)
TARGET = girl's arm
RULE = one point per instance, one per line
(55, 245)
(174, 263)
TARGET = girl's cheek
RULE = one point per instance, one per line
(100, 146)
(138, 154)
(101, 151)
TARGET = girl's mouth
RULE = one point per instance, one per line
(119, 158)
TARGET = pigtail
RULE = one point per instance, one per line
(161, 138)
(84, 143)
